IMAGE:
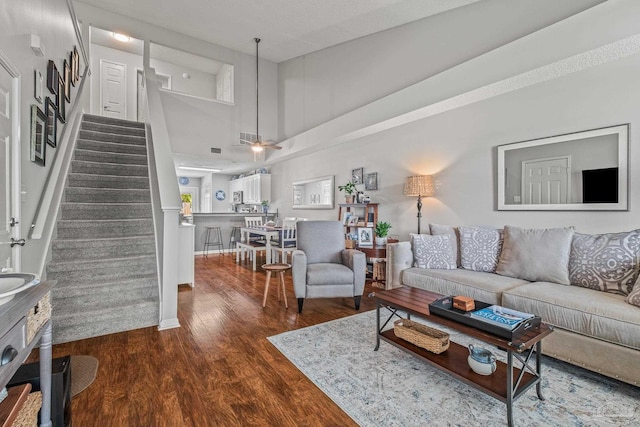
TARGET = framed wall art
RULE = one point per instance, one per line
(67, 81)
(356, 175)
(51, 111)
(62, 110)
(365, 236)
(38, 81)
(75, 70)
(371, 181)
(38, 132)
(52, 77)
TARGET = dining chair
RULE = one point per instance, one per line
(286, 242)
(250, 245)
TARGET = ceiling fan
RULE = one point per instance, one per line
(258, 145)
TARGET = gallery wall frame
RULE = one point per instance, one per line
(357, 175)
(61, 101)
(38, 82)
(51, 111)
(67, 81)
(52, 77)
(38, 135)
(371, 181)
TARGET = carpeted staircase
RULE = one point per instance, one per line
(104, 254)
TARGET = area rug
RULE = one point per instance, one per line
(83, 373)
(390, 387)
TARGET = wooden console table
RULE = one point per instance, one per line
(15, 347)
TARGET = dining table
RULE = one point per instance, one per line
(269, 233)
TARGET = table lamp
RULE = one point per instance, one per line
(421, 186)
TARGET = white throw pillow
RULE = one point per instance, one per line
(480, 248)
(536, 254)
(433, 251)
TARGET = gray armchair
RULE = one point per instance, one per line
(322, 267)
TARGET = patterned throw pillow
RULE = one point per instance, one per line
(605, 262)
(433, 252)
(437, 229)
(634, 296)
(480, 248)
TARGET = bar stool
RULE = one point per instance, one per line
(234, 238)
(281, 268)
(213, 238)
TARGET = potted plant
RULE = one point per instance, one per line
(382, 230)
(349, 188)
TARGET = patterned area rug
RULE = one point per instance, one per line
(392, 388)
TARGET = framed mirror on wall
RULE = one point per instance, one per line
(315, 193)
(581, 171)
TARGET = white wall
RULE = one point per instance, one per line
(459, 143)
(199, 83)
(132, 62)
(52, 22)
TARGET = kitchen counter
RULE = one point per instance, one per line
(243, 214)
(225, 220)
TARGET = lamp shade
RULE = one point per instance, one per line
(420, 185)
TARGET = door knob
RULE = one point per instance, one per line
(20, 242)
(13, 222)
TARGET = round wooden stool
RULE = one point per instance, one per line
(282, 268)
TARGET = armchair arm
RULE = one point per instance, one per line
(299, 273)
(357, 262)
(399, 257)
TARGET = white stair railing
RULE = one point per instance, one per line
(165, 200)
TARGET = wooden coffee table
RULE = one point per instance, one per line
(506, 384)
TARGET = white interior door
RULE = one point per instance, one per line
(546, 181)
(9, 163)
(113, 89)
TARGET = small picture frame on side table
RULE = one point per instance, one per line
(371, 181)
(38, 81)
(353, 221)
(51, 111)
(356, 175)
(365, 237)
(38, 135)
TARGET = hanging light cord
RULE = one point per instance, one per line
(257, 40)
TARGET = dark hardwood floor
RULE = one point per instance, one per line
(218, 368)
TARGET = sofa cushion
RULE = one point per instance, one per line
(599, 315)
(480, 248)
(605, 262)
(328, 274)
(438, 230)
(433, 251)
(486, 287)
(634, 297)
(536, 254)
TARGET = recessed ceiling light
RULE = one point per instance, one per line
(121, 37)
(199, 169)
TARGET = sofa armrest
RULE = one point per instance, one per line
(399, 257)
(299, 273)
(357, 262)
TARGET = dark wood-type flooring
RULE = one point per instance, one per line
(218, 368)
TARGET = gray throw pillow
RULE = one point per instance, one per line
(437, 230)
(605, 262)
(433, 251)
(480, 248)
(634, 297)
(536, 254)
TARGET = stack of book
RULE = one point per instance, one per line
(500, 316)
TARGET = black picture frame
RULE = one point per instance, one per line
(61, 101)
(72, 62)
(75, 70)
(357, 175)
(38, 135)
(67, 81)
(51, 111)
(371, 181)
(52, 77)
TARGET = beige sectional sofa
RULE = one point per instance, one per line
(597, 330)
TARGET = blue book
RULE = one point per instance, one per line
(500, 316)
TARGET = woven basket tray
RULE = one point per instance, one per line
(28, 415)
(423, 336)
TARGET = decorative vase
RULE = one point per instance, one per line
(481, 360)
(265, 209)
(381, 241)
(348, 198)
